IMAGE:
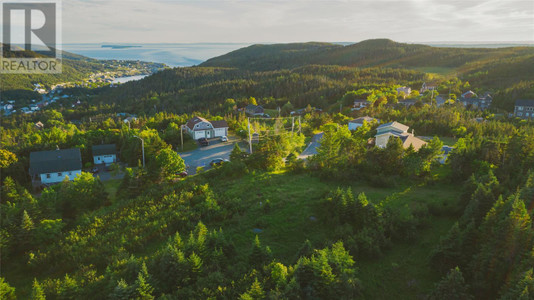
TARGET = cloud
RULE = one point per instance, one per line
(302, 20)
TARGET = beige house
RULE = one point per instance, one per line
(398, 130)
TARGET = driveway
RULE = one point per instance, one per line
(106, 175)
(312, 146)
(204, 155)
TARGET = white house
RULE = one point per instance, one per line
(398, 130)
(199, 127)
(48, 167)
(406, 90)
(104, 154)
(358, 122)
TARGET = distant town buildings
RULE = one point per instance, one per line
(524, 108)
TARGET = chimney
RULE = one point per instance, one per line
(413, 132)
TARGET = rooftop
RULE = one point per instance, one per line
(55, 161)
(106, 149)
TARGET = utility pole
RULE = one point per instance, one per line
(182, 136)
(299, 125)
(292, 125)
(142, 148)
(249, 136)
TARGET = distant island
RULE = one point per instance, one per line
(120, 46)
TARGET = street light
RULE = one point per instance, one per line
(142, 148)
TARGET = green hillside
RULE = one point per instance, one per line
(486, 66)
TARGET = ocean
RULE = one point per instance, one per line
(184, 55)
(173, 55)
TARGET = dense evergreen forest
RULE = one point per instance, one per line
(353, 221)
(319, 74)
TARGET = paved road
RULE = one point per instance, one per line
(204, 155)
(312, 146)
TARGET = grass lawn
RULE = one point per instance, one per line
(189, 145)
(271, 112)
(449, 141)
(111, 187)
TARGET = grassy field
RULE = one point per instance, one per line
(437, 70)
(403, 270)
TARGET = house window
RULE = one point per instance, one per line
(520, 114)
(70, 173)
(520, 108)
(47, 175)
(99, 158)
(59, 174)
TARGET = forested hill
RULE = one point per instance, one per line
(489, 66)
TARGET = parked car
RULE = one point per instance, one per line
(217, 162)
(224, 138)
(95, 170)
(203, 142)
(181, 174)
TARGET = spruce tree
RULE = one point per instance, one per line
(451, 287)
(37, 291)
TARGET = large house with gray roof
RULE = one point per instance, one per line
(199, 127)
(397, 130)
(48, 167)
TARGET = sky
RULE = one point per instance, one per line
(278, 21)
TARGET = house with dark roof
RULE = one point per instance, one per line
(358, 122)
(199, 127)
(48, 167)
(104, 154)
(524, 109)
(254, 110)
(470, 99)
(397, 130)
(359, 104)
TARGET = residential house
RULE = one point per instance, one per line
(445, 154)
(48, 167)
(524, 109)
(7, 107)
(470, 99)
(130, 119)
(406, 90)
(440, 100)
(358, 122)
(25, 110)
(427, 87)
(408, 102)
(104, 154)
(303, 111)
(199, 127)
(254, 110)
(39, 125)
(359, 104)
(34, 107)
(397, 130)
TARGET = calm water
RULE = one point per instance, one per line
(173, 55)
(128, 78)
